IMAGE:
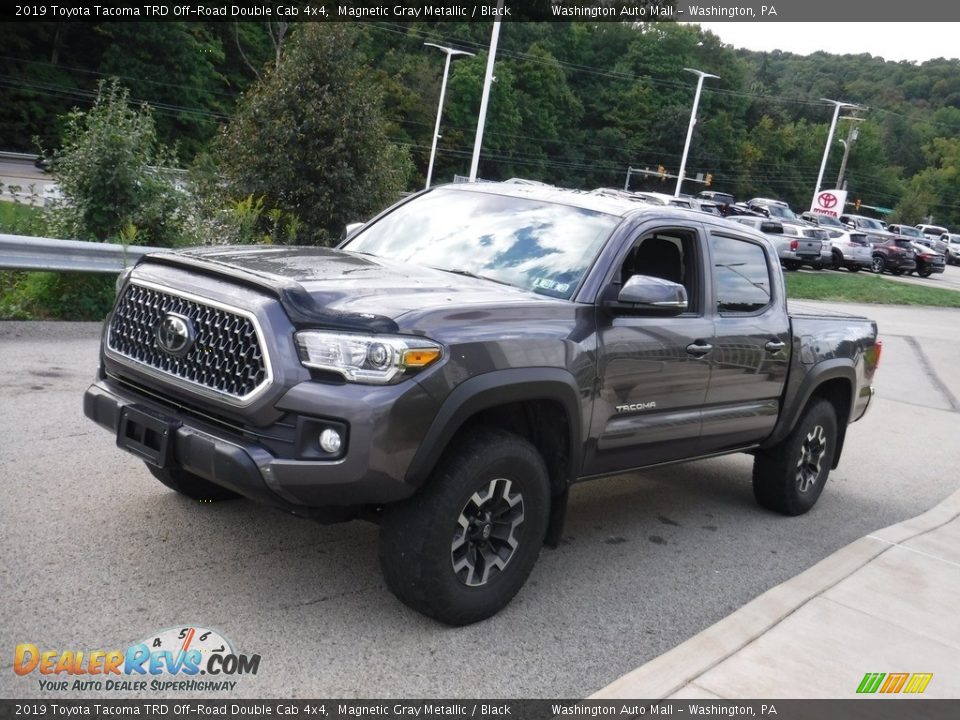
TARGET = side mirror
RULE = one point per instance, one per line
(351, 229)
(645, 292)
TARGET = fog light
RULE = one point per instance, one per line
(330, 441)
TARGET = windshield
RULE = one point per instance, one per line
(535, 245)
(829, 221)
(781, 212)
(910, 232)
(869, 223)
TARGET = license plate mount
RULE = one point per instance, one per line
(146, 434)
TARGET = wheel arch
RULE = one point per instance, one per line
(832, 380)
(503, 395)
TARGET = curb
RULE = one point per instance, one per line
(667, 674)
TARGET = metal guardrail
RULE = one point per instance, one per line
(28, 157)
(21, 252)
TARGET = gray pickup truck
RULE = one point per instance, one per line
(465, 357)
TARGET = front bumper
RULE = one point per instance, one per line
(370, 471)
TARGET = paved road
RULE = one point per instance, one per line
(23, 173)
(94, 554)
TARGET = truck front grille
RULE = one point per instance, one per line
(225, 357)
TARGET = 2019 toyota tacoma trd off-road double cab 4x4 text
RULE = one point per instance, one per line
(465, 357)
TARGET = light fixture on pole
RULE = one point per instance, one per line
(693, 121)
(833, 126)
(449, 52)
(485, 97)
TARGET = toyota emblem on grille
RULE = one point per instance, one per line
(175, 334)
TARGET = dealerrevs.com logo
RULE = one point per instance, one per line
(181, 659)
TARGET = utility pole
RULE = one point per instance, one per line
(693, 121)
(487, 82)
(833, 126)
(449, 52)
(852, 135)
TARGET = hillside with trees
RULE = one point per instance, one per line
(574, 104)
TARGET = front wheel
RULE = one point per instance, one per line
(789, 477)
(791, 265)
(924, 273)
(460, 549)
(854, 268)
(877, 264)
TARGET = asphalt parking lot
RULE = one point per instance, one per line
(95, 554)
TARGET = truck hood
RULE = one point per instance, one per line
(334, 288)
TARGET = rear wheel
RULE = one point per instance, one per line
(854, 268)
(837, 261)
(789, 477)
(791, 265)
(926, 272)
(193, 486)
(460, 549)
(877, 264)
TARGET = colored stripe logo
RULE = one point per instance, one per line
(890, 683)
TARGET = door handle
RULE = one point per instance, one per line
(775, 346)
(699, 348)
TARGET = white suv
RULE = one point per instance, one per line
(950, 244)
(934, 232)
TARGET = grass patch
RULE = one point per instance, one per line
(866, 288)
(20, 219)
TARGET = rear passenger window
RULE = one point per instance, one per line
(741, 278)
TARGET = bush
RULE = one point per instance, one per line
(55, 296)
(114, 173)
(310, 142)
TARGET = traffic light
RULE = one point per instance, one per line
(857, 205)
(709, 179)
(662, 172)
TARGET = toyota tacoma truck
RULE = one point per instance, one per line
(460, 361)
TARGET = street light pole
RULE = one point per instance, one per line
(484, 99)
(693, 121)
(449, 52)
(826, 151)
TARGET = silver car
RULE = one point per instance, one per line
(852, 251)
(796, 245)
(949, 245)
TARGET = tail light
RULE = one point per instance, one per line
(873, 355)
(794, 244)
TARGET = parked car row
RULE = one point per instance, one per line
(853, 242)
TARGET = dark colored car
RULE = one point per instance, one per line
(464, 358)
(894, 255)
(928, 260)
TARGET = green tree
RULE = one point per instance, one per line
(310, 138)
(117, 178)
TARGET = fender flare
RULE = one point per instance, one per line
(822, 372)
(500, 387)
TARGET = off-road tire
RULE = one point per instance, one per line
(190, 485)
(422, 538)
(787, 478)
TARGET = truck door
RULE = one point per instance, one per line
(653, 369)
(751, 342)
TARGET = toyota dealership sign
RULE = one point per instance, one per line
(829, 202)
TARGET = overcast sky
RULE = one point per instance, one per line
(891, 41)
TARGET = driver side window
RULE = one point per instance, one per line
(665, 254)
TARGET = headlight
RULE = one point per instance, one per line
(371, 359)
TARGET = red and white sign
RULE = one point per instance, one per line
(829, 202)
